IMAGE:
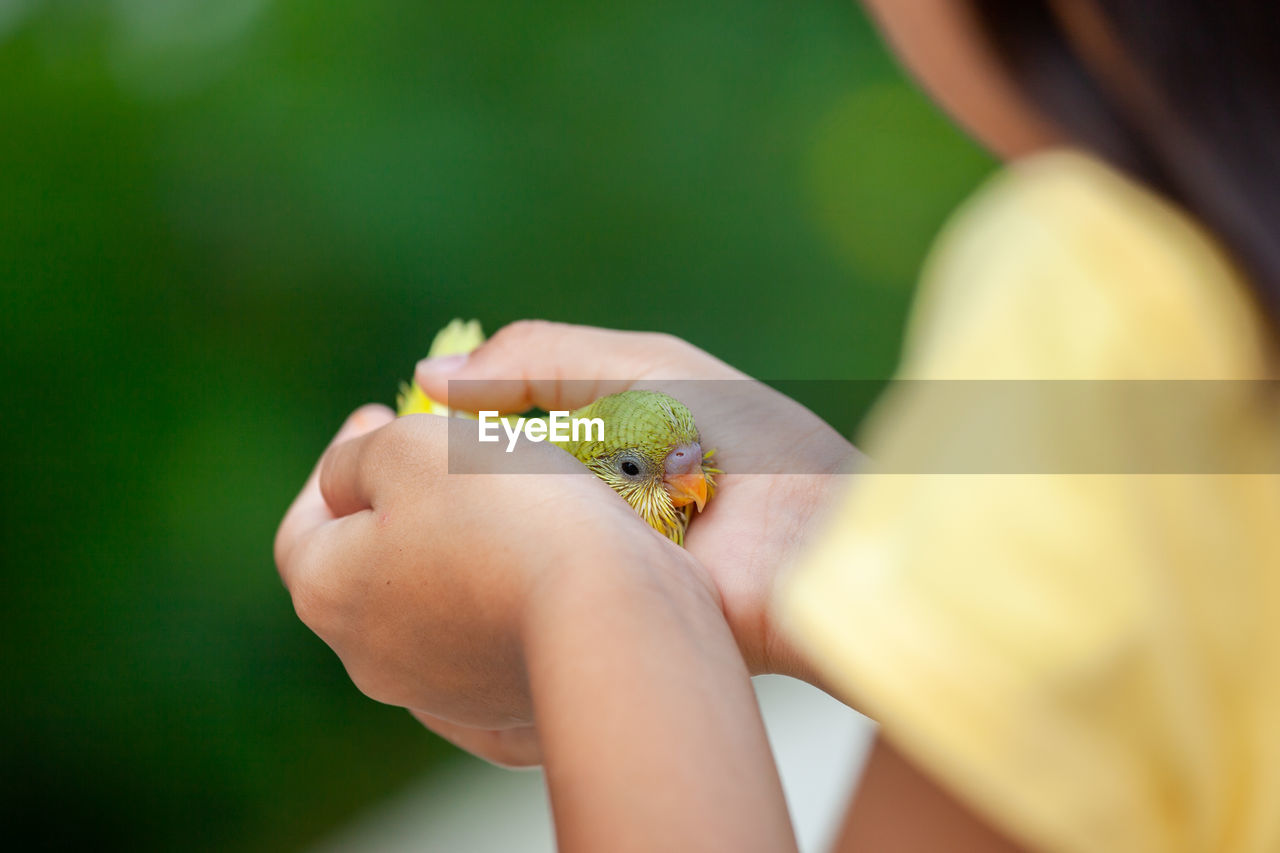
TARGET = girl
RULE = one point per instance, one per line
(1075, 661)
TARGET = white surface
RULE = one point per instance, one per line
(819, 745)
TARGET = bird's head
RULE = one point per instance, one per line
(652, 456)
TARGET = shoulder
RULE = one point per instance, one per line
(1061, 267)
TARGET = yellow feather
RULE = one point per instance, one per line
(460, 336)
(454, 339)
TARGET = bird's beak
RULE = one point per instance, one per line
(687, 489)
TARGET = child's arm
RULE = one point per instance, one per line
(650, 733)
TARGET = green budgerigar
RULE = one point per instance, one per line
(650, 453)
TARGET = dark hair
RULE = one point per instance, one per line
(1201, 125)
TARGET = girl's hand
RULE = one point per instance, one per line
(755, 519)
(424, 583)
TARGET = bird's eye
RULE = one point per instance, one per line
(630, 468)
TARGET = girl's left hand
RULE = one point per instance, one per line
(424, 582)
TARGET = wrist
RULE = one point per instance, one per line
(608, 598)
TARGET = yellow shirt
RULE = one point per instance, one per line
(1089, 657)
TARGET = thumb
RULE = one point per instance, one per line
(557, 366)
(309, 510)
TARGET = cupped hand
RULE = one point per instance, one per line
(423, 581)
(779, 458)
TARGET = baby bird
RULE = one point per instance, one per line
(650, 453)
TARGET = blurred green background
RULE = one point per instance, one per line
(226, 223)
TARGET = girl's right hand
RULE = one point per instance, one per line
(755, 520)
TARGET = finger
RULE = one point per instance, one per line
(345, 486)
(517, 747)
(309, 510)
(557, 366)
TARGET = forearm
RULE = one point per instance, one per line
(649, 728)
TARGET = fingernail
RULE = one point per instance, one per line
(443, 363)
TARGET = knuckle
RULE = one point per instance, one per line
(407, 446)
(671, 353)
(388, 444)
(669, 349)
(522, 330)
(314, 605)
(280, 548)
(388, 441)
(376, 680)
(371, 414)
(317, 591)
(366, 681)
(665, 341)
